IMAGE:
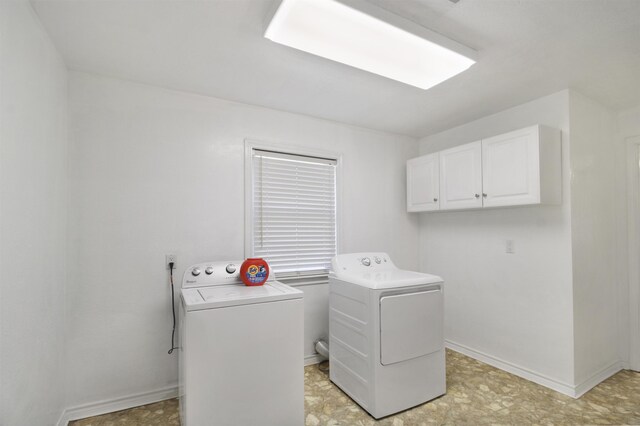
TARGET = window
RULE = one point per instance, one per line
(293, 212)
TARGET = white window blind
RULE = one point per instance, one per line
(294, 212)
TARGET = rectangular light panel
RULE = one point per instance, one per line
(369, 38)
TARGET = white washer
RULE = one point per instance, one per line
(386, 333)
(241, 350)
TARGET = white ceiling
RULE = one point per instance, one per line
(527, 49)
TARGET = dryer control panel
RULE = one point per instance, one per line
(213, 273)
(362, 262)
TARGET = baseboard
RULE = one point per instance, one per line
(628, 365)
(313, 359)
(117, 404)
(136, 400)
(596, 378)
(517, 370)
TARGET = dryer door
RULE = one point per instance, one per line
(411, 325)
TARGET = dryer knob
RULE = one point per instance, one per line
(231, 268)
(209, 270)
(195, 272)
(377, 259)
(366, 261)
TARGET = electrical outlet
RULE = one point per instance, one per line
(169, 258)
(509, 247)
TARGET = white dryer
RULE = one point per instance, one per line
(386, 333)
(241, 351)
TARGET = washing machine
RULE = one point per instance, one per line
(241, 351)
(385, 333)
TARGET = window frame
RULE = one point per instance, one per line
(249, 146)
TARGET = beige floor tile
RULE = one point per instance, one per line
(477, 394)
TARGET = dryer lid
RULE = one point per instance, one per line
(376, 271)
(389, 279)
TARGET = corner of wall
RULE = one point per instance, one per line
(628, 137)
(34, 223)
(595, 222)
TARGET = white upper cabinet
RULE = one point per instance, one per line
(423, 188)
(461, 177)
(521, 167)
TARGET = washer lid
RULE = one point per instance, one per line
(220, 296)
(393, 278)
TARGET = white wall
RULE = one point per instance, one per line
(157, 171)
(556, 311)
(594, 214)
(629, 122)
(512, 309)
(33, 214)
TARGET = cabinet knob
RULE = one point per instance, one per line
(477, 195)
(435, 200)
(484, 195)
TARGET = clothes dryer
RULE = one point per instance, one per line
(386, 333)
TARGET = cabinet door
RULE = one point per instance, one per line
(423, 191)
(510, 168)
(461, 177)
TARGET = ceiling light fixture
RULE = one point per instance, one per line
(359, 34)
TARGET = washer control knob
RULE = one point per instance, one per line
(195, 272)
(209, 270)
(231, 268)
(366, 261)
(377, 259)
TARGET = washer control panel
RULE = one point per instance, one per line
(213, 273)
(362, 262)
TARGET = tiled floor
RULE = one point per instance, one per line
(476, 394)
